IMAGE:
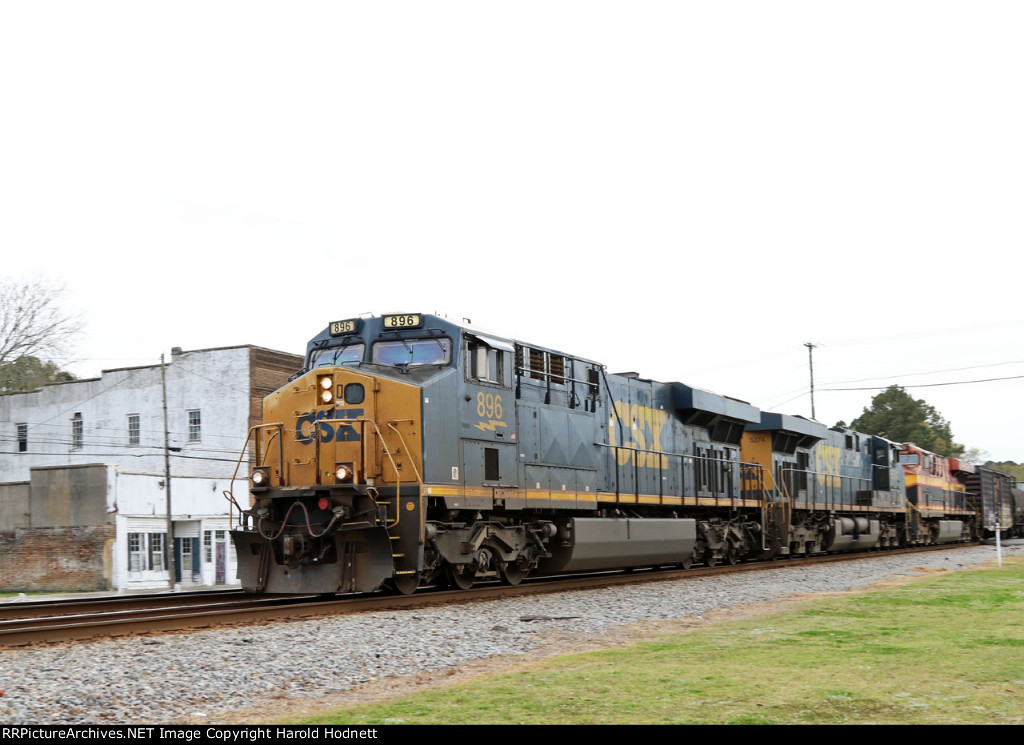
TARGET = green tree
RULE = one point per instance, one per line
(1008, 467)
(28, 373)
(898, 416)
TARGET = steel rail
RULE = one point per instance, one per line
(19, 608)
(267, 608)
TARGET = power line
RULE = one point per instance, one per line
(86, 454)
(90, 398)
(803, 391)
(926, 385)
(927, 372)
(801, 394)
(922, 334)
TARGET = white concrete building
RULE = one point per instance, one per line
(116, 421)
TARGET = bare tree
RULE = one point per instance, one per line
(32, 322)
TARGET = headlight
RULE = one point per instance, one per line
(344, 473)
(325, 383)
(260, 477)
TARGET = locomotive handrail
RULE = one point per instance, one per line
(618, 420)
(566, 379)
(682, 473)
(829, 487)
(755, 472)
(230, 493)
(913, 509)
(362, 421)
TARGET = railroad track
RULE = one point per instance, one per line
(21, 609)
(25, 623)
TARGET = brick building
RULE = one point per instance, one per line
(83, 487)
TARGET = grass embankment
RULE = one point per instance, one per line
(947, 649)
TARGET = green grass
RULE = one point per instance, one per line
(949, 649)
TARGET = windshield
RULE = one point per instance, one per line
(333, 356)
(413, 352)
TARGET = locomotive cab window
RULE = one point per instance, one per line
(488, 361)
(337, 356)
(412, 352)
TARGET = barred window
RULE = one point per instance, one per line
(537, 364)
(194, 425)
(557, 366)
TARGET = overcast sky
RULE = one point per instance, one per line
(688, 190)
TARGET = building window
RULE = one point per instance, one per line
(22, 438)
(194, 425)
(210, 538)
(186, 556)
(76, 430)
(145, 551)
(133, 429)
(136, 552)
(156, 551)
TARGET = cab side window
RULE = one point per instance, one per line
(486, 364)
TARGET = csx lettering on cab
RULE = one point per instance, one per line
(330, 431)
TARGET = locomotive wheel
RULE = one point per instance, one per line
(460, 580)
(687, 562)
(406, 584)
(731, 555)
(709, 558)
(512, 574)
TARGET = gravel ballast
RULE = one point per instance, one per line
(206, 676)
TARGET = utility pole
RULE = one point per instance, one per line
(810, 360)
(169, 543)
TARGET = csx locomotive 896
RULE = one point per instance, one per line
(411, 450)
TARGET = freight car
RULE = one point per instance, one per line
(1017, 495)
(993, 496)
(411, 450)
